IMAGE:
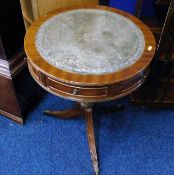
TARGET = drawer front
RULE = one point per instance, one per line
(88, 93)
(134, 82)
(76, 90)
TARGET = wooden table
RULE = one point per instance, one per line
(89, 54)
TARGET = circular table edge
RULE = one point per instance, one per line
(40, 64)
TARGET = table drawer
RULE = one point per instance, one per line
(76, 90)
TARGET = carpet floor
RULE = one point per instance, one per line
(134, 141)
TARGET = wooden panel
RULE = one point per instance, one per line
(84, 93)
(14, 96)
(158, 89)
(17, 63)
(35, 72)
(27, 12)
(75, 90)
(13, 66)
(42, 7)
(128, 85)
(2, 52)
(8, 103)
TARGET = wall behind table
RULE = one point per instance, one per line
(148, 8)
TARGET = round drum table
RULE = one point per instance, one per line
(89, 54)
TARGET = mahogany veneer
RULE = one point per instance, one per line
(83, 88)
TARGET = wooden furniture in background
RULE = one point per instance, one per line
(33, 9)
(11, 57)
(158, 89)
(16, 85)
(154, 22)
(17, 88)
(87, 89)
(27, 12)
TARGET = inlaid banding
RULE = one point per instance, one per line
(90, 41)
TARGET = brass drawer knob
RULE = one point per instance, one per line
(75, 92)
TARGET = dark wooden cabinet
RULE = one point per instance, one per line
(158, 90)
(12, 28)
(16, 85)
(12, 60)
(17, 88)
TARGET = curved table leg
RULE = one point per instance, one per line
(66, 114)
(91, 138)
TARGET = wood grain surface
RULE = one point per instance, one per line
(88, 88)
(41, 65)
(91, 139)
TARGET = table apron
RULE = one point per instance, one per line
(92, 93)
